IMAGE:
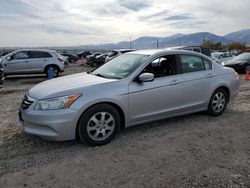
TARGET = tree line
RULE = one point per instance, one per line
(219, 46)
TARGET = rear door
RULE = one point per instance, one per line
(197, 76)
(160, 97)
(38, 60)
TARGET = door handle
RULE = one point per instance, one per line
(174, 82)
(209, 75)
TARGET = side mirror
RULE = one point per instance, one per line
(146, 77)
(8, 58)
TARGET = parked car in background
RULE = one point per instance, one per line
(83, 54)
(97, 61)
(239, 63)
(93, 55)
(71, 57)
(219, 57)
(1, 76)
(198, 49)
(31, 61)
(64, 59)
(116, 53)
(4, 53)
(133, 88)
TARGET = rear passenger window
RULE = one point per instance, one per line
(208, 64)
(191, 63)
(37, 54)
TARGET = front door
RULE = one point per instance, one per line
(18, 63)
(158, 98)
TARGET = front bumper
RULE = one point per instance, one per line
(58, 125)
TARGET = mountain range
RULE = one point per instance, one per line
(147, 42)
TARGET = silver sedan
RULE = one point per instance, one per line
(134, 88)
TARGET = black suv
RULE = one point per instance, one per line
(83, 54)
(71, 58)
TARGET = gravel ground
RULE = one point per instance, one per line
(188, 151)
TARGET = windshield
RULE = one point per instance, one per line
(215, 55)
(243, 57)
(120, 67)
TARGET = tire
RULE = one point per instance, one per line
(218, 103)
(55, 71)
(72, 61)
(99, 125)
(94, 64)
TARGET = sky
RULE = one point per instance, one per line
(32, 23)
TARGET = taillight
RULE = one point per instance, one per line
(60, 59)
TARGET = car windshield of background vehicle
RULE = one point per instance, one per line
(120, 67)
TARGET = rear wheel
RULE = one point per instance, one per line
(218, 102)
(54, 69)
(99, 125)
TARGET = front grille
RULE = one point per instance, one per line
(27, 101)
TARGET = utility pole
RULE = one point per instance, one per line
(157, 43)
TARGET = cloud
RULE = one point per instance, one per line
(57, 30)
(77, 22)
(179, 17)
(133, 5)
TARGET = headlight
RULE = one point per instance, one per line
(223, 63)
(56, 103)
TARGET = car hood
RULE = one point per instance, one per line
(63, 84)
(233, 62)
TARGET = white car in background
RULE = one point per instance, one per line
(116, 53)
(220, 57)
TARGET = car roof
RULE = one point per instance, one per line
(35, 49)
(121, 50)
(164, 51)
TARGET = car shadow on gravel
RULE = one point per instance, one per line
(25, 77)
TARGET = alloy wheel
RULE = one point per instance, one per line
(100, 126)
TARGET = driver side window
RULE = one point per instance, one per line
(162, 66)
(20, 55)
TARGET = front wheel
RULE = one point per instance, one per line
(99, 125)
(94, 64)
(218, 103)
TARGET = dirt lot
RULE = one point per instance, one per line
(190, 151)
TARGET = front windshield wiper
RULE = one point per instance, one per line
(100, 75)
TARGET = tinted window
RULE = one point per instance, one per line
(37, 54)
(20, 55)
(113, 53)
(197, 50)
(163, 66)
(228, 55)
(191, 63)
